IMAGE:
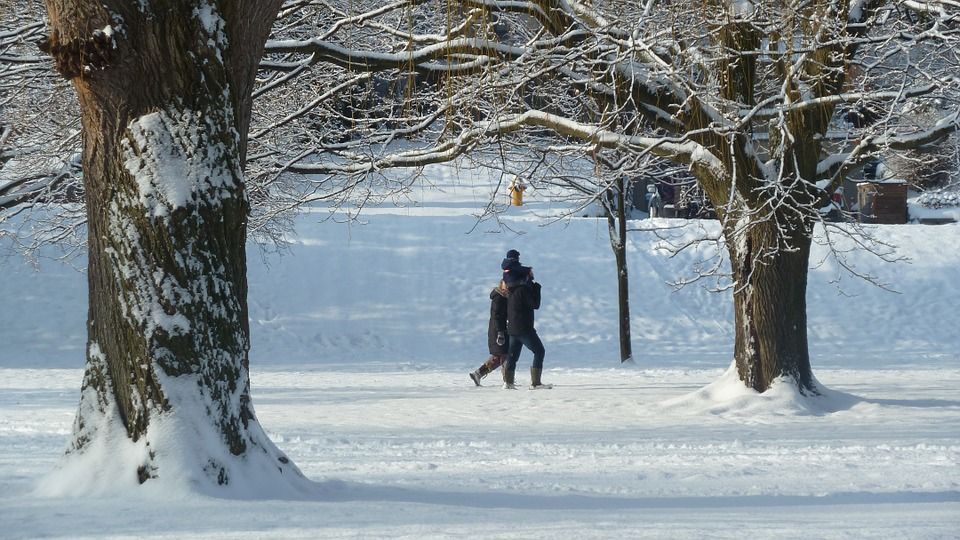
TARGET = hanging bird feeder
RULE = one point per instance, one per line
(516, 192)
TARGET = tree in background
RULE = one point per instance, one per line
(750, 96)
(610, 189)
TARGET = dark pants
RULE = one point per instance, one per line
(532, 341)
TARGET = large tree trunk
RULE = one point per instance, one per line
(770, 309)
(165, 95)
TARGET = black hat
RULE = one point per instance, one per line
(513, 254)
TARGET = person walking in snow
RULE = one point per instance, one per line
(522, 300)
(497, 338)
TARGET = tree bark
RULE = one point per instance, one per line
(770, 310)
(617, 227)
(165, 94)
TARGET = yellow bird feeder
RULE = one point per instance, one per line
(516, 192)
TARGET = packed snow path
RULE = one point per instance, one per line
(607, 454)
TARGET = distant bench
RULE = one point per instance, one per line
(937, 220)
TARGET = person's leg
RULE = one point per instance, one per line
(510, 366)
(491, 364)
(532, 342)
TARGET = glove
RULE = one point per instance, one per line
(501, 339)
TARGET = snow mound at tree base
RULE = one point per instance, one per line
(182, 453)
(730, 398)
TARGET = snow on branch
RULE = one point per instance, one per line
(546, 13)
(936, 7)
(859, 97)
(940, 129)
(436, 57)
(684, 151)
(364, 20)
(837, 165)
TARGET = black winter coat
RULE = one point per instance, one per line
(498, 322)
(523, 299)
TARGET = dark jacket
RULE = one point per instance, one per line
(498, 322)
(521, 302)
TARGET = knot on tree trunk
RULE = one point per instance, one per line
(75, 57)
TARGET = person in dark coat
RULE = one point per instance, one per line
(523, 299)
(497, 338)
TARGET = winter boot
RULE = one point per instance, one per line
(508, 379)
(535, 379)
(491, 364)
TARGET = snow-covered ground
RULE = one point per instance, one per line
(362, 338)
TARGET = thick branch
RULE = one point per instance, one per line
(681, 151)
(430, 58)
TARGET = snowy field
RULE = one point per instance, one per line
(362, 338)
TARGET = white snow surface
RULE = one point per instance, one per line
(362, 337)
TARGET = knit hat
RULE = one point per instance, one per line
(513, 254)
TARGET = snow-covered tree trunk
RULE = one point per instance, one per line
(165, 89)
